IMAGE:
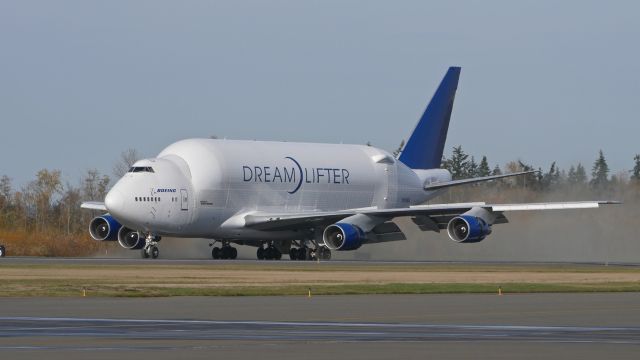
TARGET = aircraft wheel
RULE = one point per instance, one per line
(293, 253)
(144, 253)
(215, 253)
(323, 253)
(2, 251)
(155, 252)
(278, 254)
(303, 253)
(234, 253)
(261, 253)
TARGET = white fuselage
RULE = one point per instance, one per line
(201, 187)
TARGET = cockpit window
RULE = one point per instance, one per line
(134, 169)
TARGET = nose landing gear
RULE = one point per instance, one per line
(150, 248)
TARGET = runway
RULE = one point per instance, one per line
(580, 326)
(304, 331)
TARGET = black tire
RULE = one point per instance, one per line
(155, 252)
(144, 254)
(303, 253)
(260, 253)
(293, 253)
(234, 253)
(226, 252)
(2, 251)
(277, 254)
(271, 253)
(215, 253)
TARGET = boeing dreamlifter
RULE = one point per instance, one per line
(297, 198)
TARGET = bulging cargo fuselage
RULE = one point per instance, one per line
(196, 187)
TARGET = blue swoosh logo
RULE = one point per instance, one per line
(299, 169)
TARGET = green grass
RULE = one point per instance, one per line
(332, 266)
(75, 289)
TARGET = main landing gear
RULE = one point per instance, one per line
(268, 253)
(150, 248)
(225, 252)
(306, 253)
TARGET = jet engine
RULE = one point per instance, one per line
(343, 236)
(104, 228)
(471, 227)
(130, 239)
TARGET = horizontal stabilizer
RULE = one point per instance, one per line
(441, 185)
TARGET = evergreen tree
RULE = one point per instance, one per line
(472, 168)
(636, 168)
(600, 172)
(483, 168)
(581, 175)
(458, 165)
(496, 170)
(552, 178)
(571, 177)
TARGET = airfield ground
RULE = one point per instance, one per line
(414, 322)
(132, 278)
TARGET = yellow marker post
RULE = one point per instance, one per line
(84, 292)
(309, 293)
(499, 290)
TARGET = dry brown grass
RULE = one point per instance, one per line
(20, 243)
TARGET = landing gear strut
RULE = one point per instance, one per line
(150, 248)
(225, 252)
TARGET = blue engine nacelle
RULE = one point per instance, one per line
(468, 229)
(104, 228)
(130, 239)
(343, 236)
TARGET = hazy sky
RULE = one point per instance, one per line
(81, 81)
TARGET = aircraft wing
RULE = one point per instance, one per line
(431, 217)
(93, 205)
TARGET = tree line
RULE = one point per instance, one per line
(44, 216)
(463, 165)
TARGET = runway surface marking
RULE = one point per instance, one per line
(137, 329)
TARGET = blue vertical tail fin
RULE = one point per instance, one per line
(426, 144)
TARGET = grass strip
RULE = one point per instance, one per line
(100, 290)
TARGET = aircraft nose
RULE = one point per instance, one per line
(114, 202)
